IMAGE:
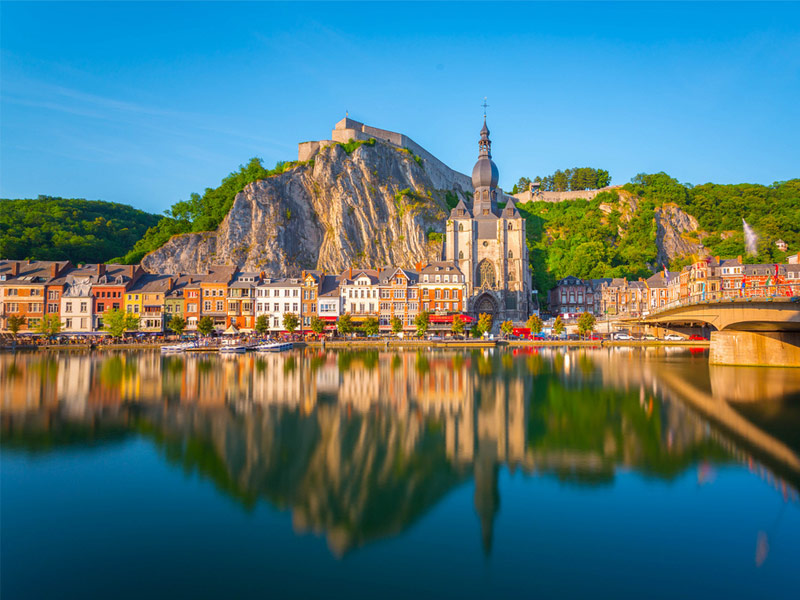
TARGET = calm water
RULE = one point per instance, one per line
(635, 473)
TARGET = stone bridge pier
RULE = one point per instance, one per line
(758, 348)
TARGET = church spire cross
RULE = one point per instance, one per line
(485, 106)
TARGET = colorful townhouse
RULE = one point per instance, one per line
(310, 296)
(241, 310)
(24, 289)
(109, 291)
(214, 294)
(146, 298)
(192, 301)
(399, 297)
(329, 306)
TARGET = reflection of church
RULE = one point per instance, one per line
(488, 244)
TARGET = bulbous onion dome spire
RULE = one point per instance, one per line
(485, 173)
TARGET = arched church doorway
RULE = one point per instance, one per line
(485, 303)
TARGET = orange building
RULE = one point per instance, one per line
(24, 289)
(214, 294)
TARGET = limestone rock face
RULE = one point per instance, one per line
(373, 207)
(672, 224)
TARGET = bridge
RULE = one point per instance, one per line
(745, 331)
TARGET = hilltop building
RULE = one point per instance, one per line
(488, 245)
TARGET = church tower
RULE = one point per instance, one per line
(488, 244)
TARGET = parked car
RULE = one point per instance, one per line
(697, 338)
(650, 338)
(622, 336)
(596, 338)
(673, 337)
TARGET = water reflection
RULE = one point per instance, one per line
(359, 445)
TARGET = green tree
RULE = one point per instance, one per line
(317, 325)
(521, 186)
(49, 326)
(397, 325)
(290, 322)
(484, 323)
(458, 325)
(558, 326)
(586, 323)
(117, 322)
(535, 324)
(344, 324)
(422, 321)
(507, 327)
(15, 323)
(177, 324)
(371, 326)
(205, 325)
(262, 324)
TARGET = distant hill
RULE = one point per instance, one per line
(83, 231)
(655, 221)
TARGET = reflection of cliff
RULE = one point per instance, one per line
(358, 445)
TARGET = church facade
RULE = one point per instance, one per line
(488, 245)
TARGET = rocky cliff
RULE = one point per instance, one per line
(373, 206)
(672, 225)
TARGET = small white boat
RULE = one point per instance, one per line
(274, 346)
(177, 347)
(233, 349)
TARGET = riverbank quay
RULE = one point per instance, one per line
(414, 344)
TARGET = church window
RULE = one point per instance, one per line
(510, 254)
(486, 211)
(510, 227)
(486, 273)
(461, 227)
(460, 255)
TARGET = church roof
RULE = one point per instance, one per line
(461, 206)
(510, 210)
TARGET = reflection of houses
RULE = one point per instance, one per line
(359, 445)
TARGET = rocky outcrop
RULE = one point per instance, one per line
(672, 225)
(375, 206)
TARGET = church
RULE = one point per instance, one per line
(488, 244)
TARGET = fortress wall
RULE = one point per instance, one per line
(347, 129)
(306, 150)
(528, 196)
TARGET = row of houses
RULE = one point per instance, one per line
(81, 295)
(707, 279)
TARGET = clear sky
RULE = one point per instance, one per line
(146, 103)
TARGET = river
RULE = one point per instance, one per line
(615, 472)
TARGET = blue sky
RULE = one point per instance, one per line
(146, 103)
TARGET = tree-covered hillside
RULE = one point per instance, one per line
(579, 238)
(50, 228)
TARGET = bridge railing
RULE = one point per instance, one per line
(782, 291)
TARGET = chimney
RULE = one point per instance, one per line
(418, 266)
(739, 259)
(350, 275)
(54, 270)
(169, 283)
(15, 268)
(101, 269)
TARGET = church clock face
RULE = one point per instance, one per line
(485, 244)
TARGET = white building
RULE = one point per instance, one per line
(360, 292)
(77, 313)
(275, 298)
